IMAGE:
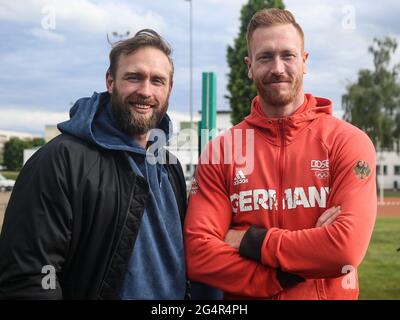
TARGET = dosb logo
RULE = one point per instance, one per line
(320, 164)
(321, 168)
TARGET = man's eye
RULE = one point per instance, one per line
(158, 81)
(265, 58)
(289, 56)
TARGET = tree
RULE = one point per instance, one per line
(13, 154)
(240, 87)
(372, 103)
(35, 142)
(14, 151)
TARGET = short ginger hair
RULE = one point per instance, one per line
(269, 18)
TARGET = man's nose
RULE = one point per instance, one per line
(144, 88)
(278, 66)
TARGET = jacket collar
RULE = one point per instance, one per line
(289, 127)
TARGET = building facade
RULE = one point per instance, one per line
(388, 170)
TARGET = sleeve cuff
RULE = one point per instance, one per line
(251, 244)
(287, 279)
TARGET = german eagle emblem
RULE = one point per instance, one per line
(362, 170)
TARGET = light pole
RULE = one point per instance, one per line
(380, 161)
(381, 189)
(191, 82)
(191, 61)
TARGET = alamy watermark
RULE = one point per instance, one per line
(48, 21)
(349, 281)
(235, 146)
(49, 280)
(349, 17)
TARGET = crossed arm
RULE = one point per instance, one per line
(234, 237)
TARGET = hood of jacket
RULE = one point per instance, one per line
(92, 120)
(287, 128)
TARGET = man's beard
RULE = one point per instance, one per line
(134, 123)
(276, 96)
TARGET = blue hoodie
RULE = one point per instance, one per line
(157, 265)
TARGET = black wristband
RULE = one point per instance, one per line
(250, 246)
(287, 279)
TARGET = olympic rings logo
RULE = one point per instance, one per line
(322, 174)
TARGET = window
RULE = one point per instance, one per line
(397, 170)
(378, 170)
(188, 168)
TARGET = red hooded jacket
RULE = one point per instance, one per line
(279, 175)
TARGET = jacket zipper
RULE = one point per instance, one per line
(281, 165)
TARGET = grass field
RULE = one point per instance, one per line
(379, 273)
(391, 194)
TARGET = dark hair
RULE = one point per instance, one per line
(143, 38)
(269, 18)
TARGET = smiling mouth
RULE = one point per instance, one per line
(140, 108)
(272, 82)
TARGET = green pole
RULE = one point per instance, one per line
(209, 108)
(212, 105)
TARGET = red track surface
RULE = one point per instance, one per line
(391, 208)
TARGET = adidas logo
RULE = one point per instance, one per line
(240, 178)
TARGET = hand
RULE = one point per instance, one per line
(234, 237)
(328, 217)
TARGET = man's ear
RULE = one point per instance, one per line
(247, 61)
(305, 57)
(109, 82)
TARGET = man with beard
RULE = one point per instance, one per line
(263, 230)
(91, 217)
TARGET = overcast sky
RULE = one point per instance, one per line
(46, 64)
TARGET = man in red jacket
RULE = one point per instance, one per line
(261, 228)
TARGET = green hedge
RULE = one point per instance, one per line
(10, 174)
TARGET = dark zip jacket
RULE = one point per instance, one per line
(75, 208)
